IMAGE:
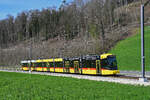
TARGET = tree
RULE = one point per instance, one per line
(21, 26)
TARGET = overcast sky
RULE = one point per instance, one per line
(13, 7)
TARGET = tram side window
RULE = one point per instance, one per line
(35, 64)
(104, 63)
(44, 64)
(47, 64)
(90, 63)
(25, 64)
(51, 64)
(58, 64)
(67, 64)
(32, 64)
(84, 65)
(93, 64)
(39, 65)
(71, 64)
(29, 65)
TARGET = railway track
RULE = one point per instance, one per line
(123, 79)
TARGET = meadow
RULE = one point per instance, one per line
(128, 51)
(18, 86)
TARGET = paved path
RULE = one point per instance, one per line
(137, 73)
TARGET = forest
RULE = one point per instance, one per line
(74, 29)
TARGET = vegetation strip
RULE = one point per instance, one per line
(16, 86)
(96, 78)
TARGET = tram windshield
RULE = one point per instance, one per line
(109, 63)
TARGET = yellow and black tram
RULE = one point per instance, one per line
(104, 64)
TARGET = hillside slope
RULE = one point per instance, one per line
(128, 51)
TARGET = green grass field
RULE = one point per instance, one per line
(16, 86)
(128, 52)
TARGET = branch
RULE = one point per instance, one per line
(146, 2)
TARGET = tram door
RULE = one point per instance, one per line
(76, 66)
(48, 66)
(67, 64)
(34, 66)
(43, 65)
(31, 66)
(97, 66)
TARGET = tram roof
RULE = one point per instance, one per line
(28, 61)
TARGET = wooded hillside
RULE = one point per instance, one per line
(78, 28)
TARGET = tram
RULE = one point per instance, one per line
(105, 64)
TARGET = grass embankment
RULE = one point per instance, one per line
(16, 86)
(128, 52)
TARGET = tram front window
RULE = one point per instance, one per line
(109, 63)
(112, 63)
